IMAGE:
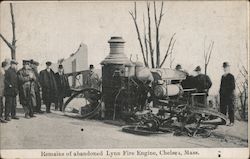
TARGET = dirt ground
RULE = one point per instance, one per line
(55, 130)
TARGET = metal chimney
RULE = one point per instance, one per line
(116, 55)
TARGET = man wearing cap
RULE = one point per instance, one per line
(26, 83)
(49, 87)
(62, 86)
(37, 86)
(4, 66)
(227, 97)
(11, 91)
(202, 84)
(92, 80)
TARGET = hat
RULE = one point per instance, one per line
(13, 62)
(34, 62)
(178, 67)
(91, 66)
(4, 64)
(25, 62)
(60, 66)
(225, 64)
(198, 68)
(48, 63)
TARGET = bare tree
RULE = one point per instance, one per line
(148, 49)
(207, 54)
(11, 45)
(242, 85)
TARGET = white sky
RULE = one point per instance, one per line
(53, 30)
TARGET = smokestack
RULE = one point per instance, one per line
(116, 54)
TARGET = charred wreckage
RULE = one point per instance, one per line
(149, 101)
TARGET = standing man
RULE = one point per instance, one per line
(11, 91)
(93, 80)
(34, 65)
(49, 87)
(62, 86)
(4, 66)
(26, 83)
(202, 84)
(227, 88)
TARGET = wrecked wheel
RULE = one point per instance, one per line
(84, 103)
(139, 130)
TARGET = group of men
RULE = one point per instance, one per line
(202, 83)
(28, 83)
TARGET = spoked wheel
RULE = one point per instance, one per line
(206, 120)
(84, 103)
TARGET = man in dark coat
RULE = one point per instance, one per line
(11, 91)
(62, 86)
(34, 65)
(4, 66)
(49, 87)
(26, 83)
(227, 97)
(92, 80)
(202, 84)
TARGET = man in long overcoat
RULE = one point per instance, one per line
(49, 87)
(227, 96)
(10, 91)
(26, 84)
(62, 86)
(34, 65)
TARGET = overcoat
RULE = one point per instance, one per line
(227, 88)
(202, 83)
(49, 86)
(10, 83)
(62, 85)
(26, 85)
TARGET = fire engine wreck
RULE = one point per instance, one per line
(149, 101)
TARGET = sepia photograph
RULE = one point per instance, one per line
(124, 79)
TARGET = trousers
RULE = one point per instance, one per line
(227, 106)
(10, 106)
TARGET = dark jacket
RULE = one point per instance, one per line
(62, 85)
(26, 78)
(10, 83)
(49, 87)
(202, 83)
(227, 85)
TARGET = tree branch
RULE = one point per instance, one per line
(145, 38)
(6, 41)
(149, 36)
(167, 52)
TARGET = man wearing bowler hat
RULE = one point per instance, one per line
(26, 78)
(227, 97)
(11, 91)
(49, 87)
(92, 80)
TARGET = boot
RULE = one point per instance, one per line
(14, 117)
(27, 116)
(3, 121)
